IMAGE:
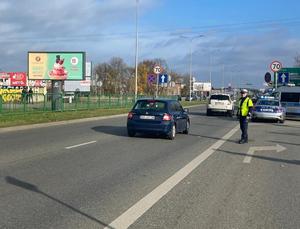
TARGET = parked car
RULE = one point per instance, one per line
(220, 103)
(269, 108)
(158, 116)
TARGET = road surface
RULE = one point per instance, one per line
(91, 175)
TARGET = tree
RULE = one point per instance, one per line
(297, 61)
(114, 76)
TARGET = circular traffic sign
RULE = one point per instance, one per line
(268, 77)
(275, 66)
(157, 69)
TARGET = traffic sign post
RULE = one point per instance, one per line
(157, 70)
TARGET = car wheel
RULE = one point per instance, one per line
(282, 121)
(130, 133)
(186, 131)
(230, 113)
(208, 112)
(172, 132)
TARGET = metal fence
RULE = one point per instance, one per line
(20, 103)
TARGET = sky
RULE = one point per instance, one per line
(232, 41)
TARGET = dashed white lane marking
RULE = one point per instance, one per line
(137, 210)
(82, 144)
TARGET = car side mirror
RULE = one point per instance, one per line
(186, 110)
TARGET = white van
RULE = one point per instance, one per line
(290, 100)
(220, 103)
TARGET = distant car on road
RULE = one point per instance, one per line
(158, 116)
(220, 103)
(270, 109)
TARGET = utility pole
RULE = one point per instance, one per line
(136, 50)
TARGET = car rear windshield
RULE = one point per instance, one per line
(267, 103)
(150, 105)
(220, 97)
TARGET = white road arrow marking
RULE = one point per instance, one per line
(251, 151)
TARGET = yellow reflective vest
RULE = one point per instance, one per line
(244, 108)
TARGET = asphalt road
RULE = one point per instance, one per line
(91, 175)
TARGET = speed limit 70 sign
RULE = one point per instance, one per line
(275, 66)
(157, 69)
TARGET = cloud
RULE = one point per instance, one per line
(106, 28)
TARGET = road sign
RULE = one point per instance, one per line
(157, 69)
(163, 78)
(283, 77)
(268, 77)
(294, 75)
(275, 66)
(151, 78)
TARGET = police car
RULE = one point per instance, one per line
(268, 108)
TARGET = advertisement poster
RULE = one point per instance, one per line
(13, 79)
(18, 79)
(37, 83)
(56, 65)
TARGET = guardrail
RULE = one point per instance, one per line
(37, 102)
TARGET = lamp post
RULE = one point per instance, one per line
(136, 49)
(211, 63)
(191, 59)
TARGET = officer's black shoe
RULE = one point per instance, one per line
(243, 141)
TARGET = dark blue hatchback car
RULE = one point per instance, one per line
(158, 116)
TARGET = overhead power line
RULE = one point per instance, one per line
(222, 28)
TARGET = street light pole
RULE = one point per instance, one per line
(210, 67)
(191, 60)
(136, 49)
(223, 76)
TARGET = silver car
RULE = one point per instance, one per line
(270, 109)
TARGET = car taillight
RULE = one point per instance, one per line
(130, 115)
(167, 117)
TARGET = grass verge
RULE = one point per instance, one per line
(8, 120)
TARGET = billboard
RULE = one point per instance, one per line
(82, 86)
(18, 79)
(202, 86)
(56, 65)
(13, 79)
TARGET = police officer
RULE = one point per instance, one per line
(244, 113)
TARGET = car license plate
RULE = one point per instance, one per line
(147, 117)
(267, 110)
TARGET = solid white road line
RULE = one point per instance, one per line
(138, 209)
(82, 144)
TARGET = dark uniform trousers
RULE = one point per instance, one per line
(244, 127)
